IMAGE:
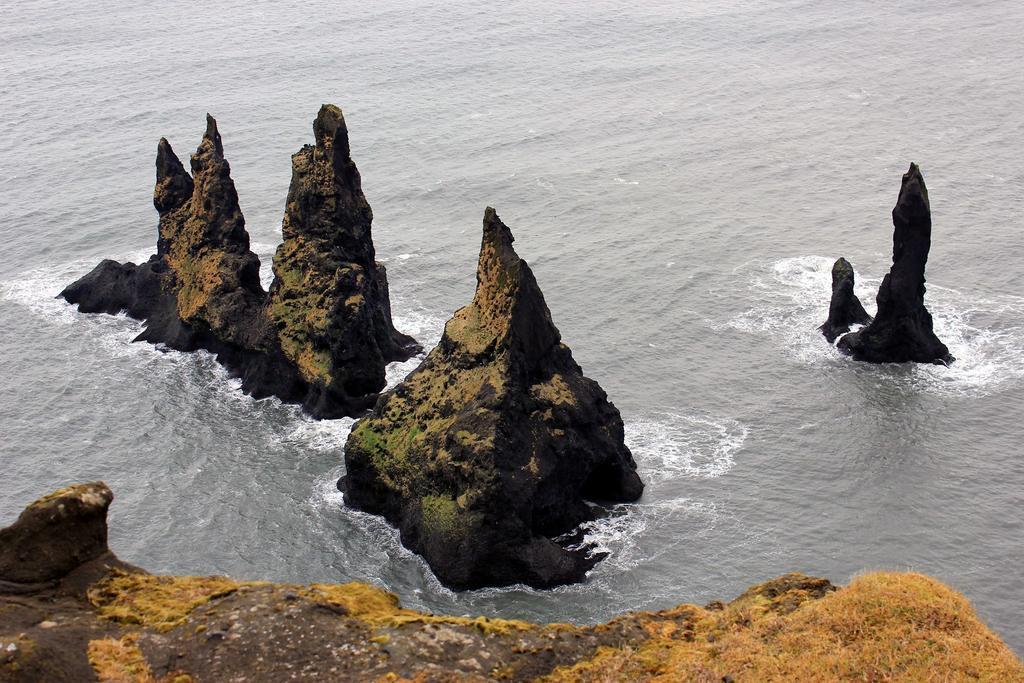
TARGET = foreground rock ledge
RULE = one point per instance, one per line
(492, 447)
(104, 620)
(323, 335)
(902, 328)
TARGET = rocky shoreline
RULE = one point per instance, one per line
(72, 611)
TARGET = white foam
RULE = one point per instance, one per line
(320, 435)
(620, 534)
(984, 334)
(667, 445)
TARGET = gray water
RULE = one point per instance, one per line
(680, 175)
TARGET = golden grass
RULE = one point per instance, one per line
(119, 660)
(882, 627)
(159, 602)
(379, 608)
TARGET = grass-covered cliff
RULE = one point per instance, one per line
(71, 611)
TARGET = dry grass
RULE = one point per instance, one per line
(119, 660)
(159, 602)
(381, 609)
(882, 627)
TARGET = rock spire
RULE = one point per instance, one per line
(491, 448)
(322, 337)
(902, 328)
(845, 308)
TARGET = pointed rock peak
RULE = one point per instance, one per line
(167, 162)
(500, 273)
(913, 200)
(173, 183)
(212, 136)
(844, 308)
(331, 132)
(497, 255)
(508, 299)
(841, 270)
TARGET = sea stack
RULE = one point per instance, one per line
(329, 300)
(202, 287)
(491, 448)
(322, 338)
(902, 328)
(845, 309)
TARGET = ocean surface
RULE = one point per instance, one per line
(680, 176)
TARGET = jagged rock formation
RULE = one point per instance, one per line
(114, 622)
(329, 299)
(845, 308)
(902, 328)
(491, 447)
(324, 335)
(55, 535)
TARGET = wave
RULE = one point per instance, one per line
(668, 447)
(983, 333)
(672, 444)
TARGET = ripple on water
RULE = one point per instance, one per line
(983, 333)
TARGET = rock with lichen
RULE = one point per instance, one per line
(325, 335)
(491, 449)
(845, 308)
(902, 328)
(329, 300)
(55, 535)
(114, 622)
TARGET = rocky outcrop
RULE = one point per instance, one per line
(902, 328)
(55, 535)
(122, 625)
(492, 447)
(322, 338)
(329, 300)
(845, 308)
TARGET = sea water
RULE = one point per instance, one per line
(680, 176)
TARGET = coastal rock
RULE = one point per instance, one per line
(902, 328)
(323, 338)
(202, 288)
(329, 300)
(118, 623)
(845, 308)
(492, 447)
(55, 535)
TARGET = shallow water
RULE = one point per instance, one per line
(679, 177)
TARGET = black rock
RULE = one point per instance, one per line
(845, 309)
(202, 290)
(488, 452)
(902, 328)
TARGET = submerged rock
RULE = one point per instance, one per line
(309, 343)
(492, 446)
(902, 328)
(329, 299)
(845, 308)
